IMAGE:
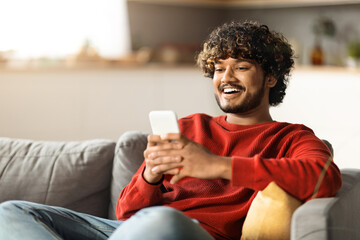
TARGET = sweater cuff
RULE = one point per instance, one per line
(243, 171)
(150, 192)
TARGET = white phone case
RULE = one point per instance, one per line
(163, 122)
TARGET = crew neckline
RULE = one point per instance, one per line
(232, 126)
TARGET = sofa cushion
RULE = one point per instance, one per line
(269, 216)
(129, 155)
(75, 175)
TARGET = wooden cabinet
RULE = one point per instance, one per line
(251, 3)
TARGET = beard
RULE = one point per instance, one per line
(250, 102)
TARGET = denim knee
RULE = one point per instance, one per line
(171, 221)
(165, 215)
(10, 217)
(160, 223)
(160, 212)
(8, 206)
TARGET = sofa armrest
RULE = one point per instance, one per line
(331, 218)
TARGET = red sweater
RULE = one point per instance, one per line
(289, 154)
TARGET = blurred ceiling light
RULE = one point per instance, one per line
(57, 28)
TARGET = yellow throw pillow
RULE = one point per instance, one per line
(269, 216)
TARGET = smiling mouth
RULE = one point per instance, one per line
(230, 89)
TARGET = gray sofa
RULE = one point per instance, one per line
(88, 176)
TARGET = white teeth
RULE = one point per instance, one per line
(229, 90)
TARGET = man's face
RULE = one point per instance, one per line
(239, 86)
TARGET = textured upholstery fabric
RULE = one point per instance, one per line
(75, 175)
(129, 155)
(331, 218)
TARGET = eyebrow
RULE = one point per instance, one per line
(220, 61)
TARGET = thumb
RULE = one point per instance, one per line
(176, 178)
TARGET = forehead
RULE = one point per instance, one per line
(234, 61)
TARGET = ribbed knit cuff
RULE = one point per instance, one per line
(150, 192)
(243, 171)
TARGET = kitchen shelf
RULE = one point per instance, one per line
(176, 67)
(327, 69)
(250, 3)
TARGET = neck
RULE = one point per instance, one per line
(249, 118)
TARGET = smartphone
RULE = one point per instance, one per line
(163, 122)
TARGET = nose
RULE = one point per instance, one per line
(228, 75)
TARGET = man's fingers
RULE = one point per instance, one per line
(167, 146)
(155, 150)
(165, 137)
(153, 140)
(169, 140)
(173, 171)
(168, 149)
(166, 168)
(171, 136)
(163, 160)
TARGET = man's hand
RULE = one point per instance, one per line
(181, 157)
(168, 164)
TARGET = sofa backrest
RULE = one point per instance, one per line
(74, 175)
(129, 155)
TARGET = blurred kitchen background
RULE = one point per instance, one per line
(83, 69)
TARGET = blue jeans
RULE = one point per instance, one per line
(26, 220)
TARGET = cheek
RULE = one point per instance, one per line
(256, 82)
(215, 83)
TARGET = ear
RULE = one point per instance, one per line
(270, 81)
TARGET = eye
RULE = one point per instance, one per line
(218, 69)
(242, 68)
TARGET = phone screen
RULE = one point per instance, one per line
(163, 122)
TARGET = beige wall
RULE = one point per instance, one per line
(79, 104)
(327, 101)
(82, 104)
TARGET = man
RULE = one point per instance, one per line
(200, 184)
(212, 171)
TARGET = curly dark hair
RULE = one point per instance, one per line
(252, 41)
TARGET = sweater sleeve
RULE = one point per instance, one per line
(297, 172)
(136, 195)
